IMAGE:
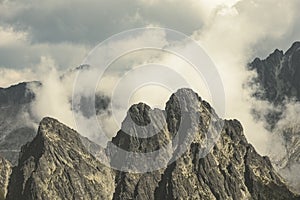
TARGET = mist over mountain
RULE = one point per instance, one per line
(56, 165)
(99, 99)
(19, 119)
(277, 83)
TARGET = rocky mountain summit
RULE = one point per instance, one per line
(278, 79)
(18, 122)
(278, 75)
(205, 157)
(56, 165)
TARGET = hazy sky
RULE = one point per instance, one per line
(66, 30)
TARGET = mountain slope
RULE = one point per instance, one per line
(15, 121)
(278, 79)
(18, 122)
(231, 170)
(56, 165)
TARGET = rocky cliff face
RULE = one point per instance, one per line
(278, 75)
(56, 165)
(5, 171)
(15, 125)
(278, 78)
(231, 170)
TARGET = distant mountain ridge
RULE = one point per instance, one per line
(15, 127)
(278, 75)
(17, 119)
(278, 78)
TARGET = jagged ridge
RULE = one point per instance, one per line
(55, 165)
(278, 78)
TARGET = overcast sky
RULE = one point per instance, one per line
(66, 31)
(35, 35)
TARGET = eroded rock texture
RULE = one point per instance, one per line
(278, 78)
(56, 165)
(205, 157)
(5, 171)
(231, 169)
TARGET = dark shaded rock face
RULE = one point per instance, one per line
(278, 78)
(231, 170)
(15, 126)
(278, 75)
(16, 94)
(56, 165)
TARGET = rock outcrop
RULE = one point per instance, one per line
(56, 165)
(15, 121)
(5, 171)
(278, 79)
(278, 74)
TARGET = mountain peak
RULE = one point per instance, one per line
(210, 167)
(185, 92)
(278, 75)
(278, 81)
(139, 113)
(17, 94)
(186, 96)
(198, 164)
(56, 164)
(295, 46)
(52, 130)
(49, 120)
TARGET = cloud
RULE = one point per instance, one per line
(17, 52)
(233, 37)
(65, 30)
(230, 38)
(92, 21)
(229, 32)
(11, 77)
(53, 98)
(288, 131)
